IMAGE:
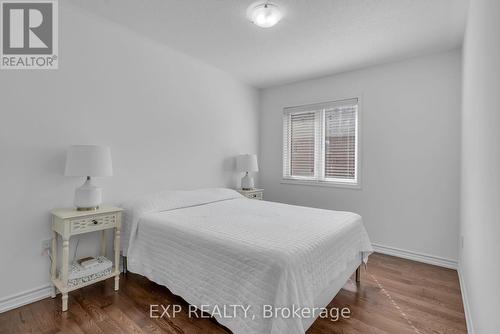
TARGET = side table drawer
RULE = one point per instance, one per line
(96, 223)
(254, 195)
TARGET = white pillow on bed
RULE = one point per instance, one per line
(175, 199)
(168, 200)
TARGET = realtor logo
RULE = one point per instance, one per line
(29, 34)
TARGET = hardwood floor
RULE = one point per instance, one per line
(394, 296)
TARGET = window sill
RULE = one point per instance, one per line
(328, 184)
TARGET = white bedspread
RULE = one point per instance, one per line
(214, 247)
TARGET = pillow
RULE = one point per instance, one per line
(168, 200)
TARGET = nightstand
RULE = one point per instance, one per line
(253, 194)
(69, 222)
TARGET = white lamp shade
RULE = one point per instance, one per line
(247, 163)
(88, 160)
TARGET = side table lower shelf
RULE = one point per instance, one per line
(59, 286)
(64, 289)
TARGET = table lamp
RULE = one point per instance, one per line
(247, 163)
(88, 161)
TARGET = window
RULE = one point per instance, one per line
(320, 143)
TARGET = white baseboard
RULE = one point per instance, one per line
(26, 297)
(465, 300)
(416, 256)
(33, 295)
(438, 261)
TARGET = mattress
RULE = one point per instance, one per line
(215, 249)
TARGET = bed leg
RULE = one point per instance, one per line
(358, 274)
(124, 266)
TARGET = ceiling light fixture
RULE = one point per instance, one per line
(264, 14)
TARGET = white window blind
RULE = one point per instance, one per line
(340, 143)
(302, 142)
(320, 142)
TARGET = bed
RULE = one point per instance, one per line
(216, 248)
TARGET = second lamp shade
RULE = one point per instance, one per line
(247, 163)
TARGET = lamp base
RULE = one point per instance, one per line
(94, 208)
(247, 182)
(88, 196)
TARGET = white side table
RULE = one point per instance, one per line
(253, 193)
(69, 222)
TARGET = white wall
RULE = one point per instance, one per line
(410, 151)
(171, 121)
(480, 203)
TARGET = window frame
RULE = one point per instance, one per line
(319, 155)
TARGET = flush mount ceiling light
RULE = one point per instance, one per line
(264, 14)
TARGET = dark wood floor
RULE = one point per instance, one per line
(394, 296)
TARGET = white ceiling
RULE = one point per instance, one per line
(315, 37)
